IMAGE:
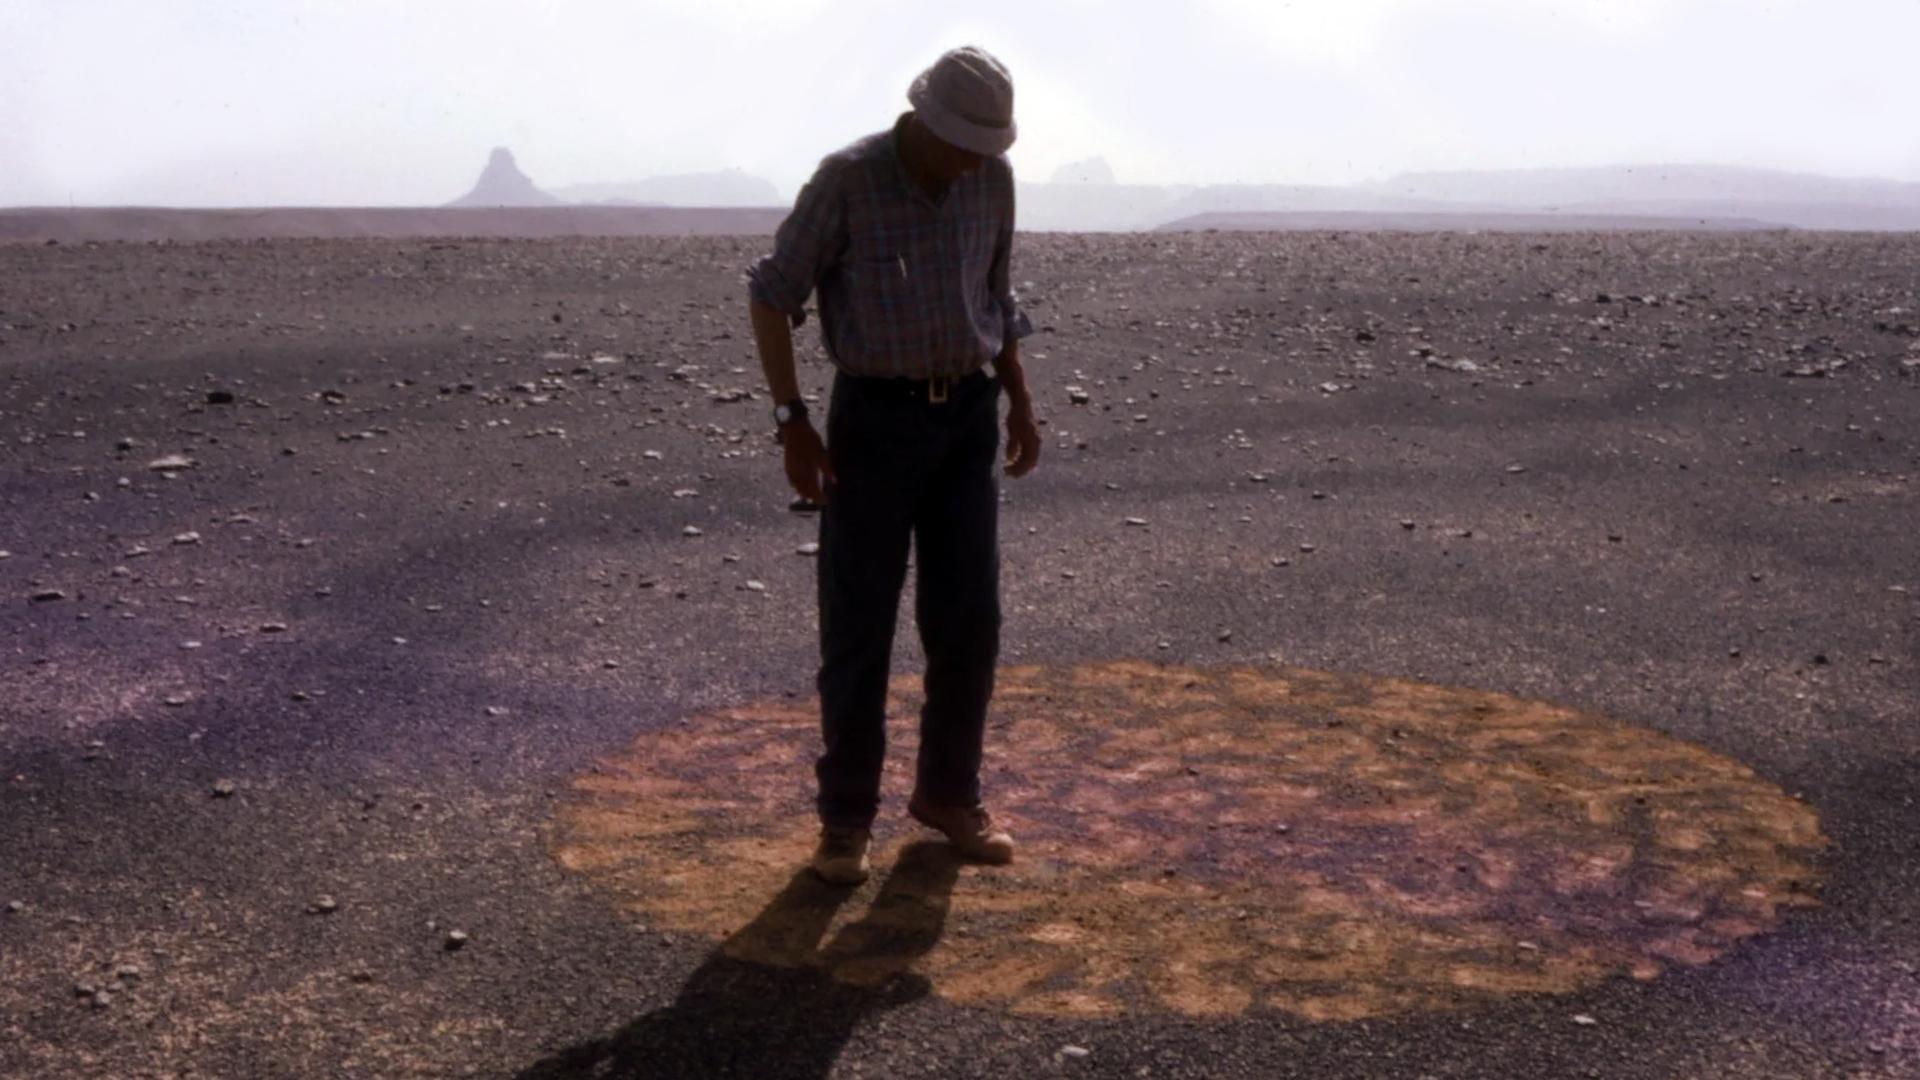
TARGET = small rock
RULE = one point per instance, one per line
(456, 940)
(1516, 468)
(1584, 1020)
(174, 701)
(188, 537)
(325, 905)
(1406, 523)
(15, 907)
(1134, 521)
(224, 789)
(1306, 548)
(1224, 635)
(755, 586)
(219, 397)
(496, 710)
(41, 596)
(1078, 396)
(171, 463)
(1074, 1051)
(273, 628)
(691, 530)
(808, 548)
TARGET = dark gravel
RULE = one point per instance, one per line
(434, 487)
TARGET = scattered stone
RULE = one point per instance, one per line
(1074, 1051)
(188, 537)
(1516, 468)
(1224, 636)
(456, 940)
(1078, 395)
(15, 907)
(224, 789)
(325, 905)
(496, 710)
(808, 548)
(1584, 1020)
(174, 701)
(1307, 548)
(755, 586)
(1407, 523)
(1464, 367)
(171, 463)
(41, 596)
(1135, 521)
(691, 530)
(219, 397)
(273, 628)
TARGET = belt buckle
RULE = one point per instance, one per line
(937, 388)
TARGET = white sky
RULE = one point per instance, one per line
(259, 102)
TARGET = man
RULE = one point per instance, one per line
(906, 235)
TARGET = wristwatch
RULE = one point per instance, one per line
(789, 412)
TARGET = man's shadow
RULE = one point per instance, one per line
(772, 1001)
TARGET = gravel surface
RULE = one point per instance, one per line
(331, 564)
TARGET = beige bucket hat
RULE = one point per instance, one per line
(966, 98)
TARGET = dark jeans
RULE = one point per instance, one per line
(908, 469)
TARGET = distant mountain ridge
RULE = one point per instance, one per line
(1690, 195)
(502, 184)
(730, 187)
(1085, 196)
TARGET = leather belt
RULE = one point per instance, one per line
(934, 391)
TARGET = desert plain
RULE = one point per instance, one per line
(339, 576)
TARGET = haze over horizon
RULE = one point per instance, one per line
(287, 103)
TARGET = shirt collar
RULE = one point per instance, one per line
(914, 190)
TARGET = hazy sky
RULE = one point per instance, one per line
(249, 102)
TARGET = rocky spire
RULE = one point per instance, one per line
(502, 183)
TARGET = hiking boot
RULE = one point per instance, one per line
(841, 858)
(969, 829)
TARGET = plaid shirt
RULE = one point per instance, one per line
(909, 287)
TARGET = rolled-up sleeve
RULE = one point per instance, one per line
(804, 246)
(1014, 322)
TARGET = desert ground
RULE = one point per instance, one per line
(1497, 655)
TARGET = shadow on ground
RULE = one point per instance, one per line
(772, 1000)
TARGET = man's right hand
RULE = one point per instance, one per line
(809, 469)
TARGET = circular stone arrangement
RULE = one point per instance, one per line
(1209, 840)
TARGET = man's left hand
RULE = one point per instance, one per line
(1023, 440)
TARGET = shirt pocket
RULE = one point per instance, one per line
(888, 297)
